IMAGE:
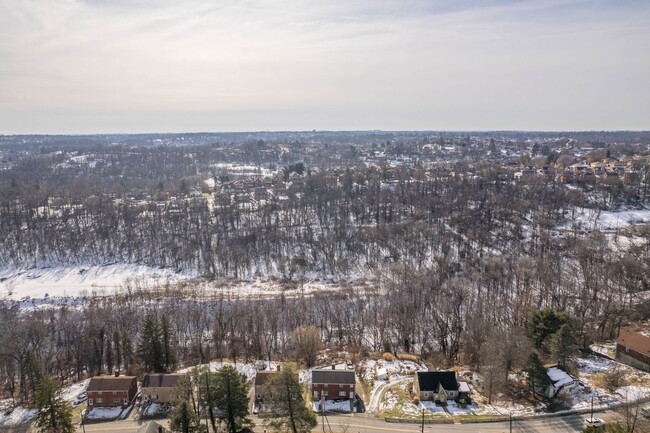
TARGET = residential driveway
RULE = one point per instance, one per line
(378, 393)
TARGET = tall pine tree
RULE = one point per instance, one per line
(54, 414)
(231, 400)
(290, 414)
(150, 345)
(538, 380)
(168, 344)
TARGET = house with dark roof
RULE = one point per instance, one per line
(438, 386)
(159, 387)
(633, 347)
(262, 378)
(112, 391)
(331, 384)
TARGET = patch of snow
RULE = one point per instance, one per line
(431, 406)
(12, 416)
(65, 281)
(104, 413)
(457, 409)
(70, 393)
(333, 406)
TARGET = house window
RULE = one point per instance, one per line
(342, 393)
(116, 400)
(90, 402)
(99, 400)
(325, 393)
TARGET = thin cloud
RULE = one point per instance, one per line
(303, 64)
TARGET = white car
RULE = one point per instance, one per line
(594, 422)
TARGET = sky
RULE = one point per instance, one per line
(129, 66)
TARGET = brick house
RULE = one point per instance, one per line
(159, 388)
(111, 391)
(438, 386)
(633, 347)
(333, 384)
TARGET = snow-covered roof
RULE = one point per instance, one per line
(463, 387)
(559, 377)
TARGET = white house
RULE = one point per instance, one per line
(561, 381)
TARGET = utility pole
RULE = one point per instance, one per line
(592, 407)
(322, 411)
(422, 420)
(510, 422)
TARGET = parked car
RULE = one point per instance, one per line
(594, 422)
(80, 399)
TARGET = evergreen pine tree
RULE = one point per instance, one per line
(231, 400)
(168, 344)
(289, 412)
(54, 415)
(538, 380)
(564, 346)
(183, 419)
(150, 345)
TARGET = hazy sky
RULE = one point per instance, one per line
(86, 66)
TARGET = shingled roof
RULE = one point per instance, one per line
(429, 380)
(161, 380)
(633, 339)
(333, 376)
(110, 383)
(262, 377)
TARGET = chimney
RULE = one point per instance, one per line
(117, 373)
(334, 367)
(279, 367)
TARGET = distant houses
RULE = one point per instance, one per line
(112, 391)
(633, 347)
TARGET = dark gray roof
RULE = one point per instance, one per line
(332, 376)
(262, 377)
(429, 380)
(161, 380)
(110, 383)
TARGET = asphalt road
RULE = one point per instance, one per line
(358, 424)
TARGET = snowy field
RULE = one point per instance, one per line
(77, 281)
(593, 219)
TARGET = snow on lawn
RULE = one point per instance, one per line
(457, 409)
(592, 219)
(17, 416)
(104, 413)
(431, 407)
(74, 281)
(70, 393)
(636, 382)
(333, 406)
(248, 370)
(154, 409)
